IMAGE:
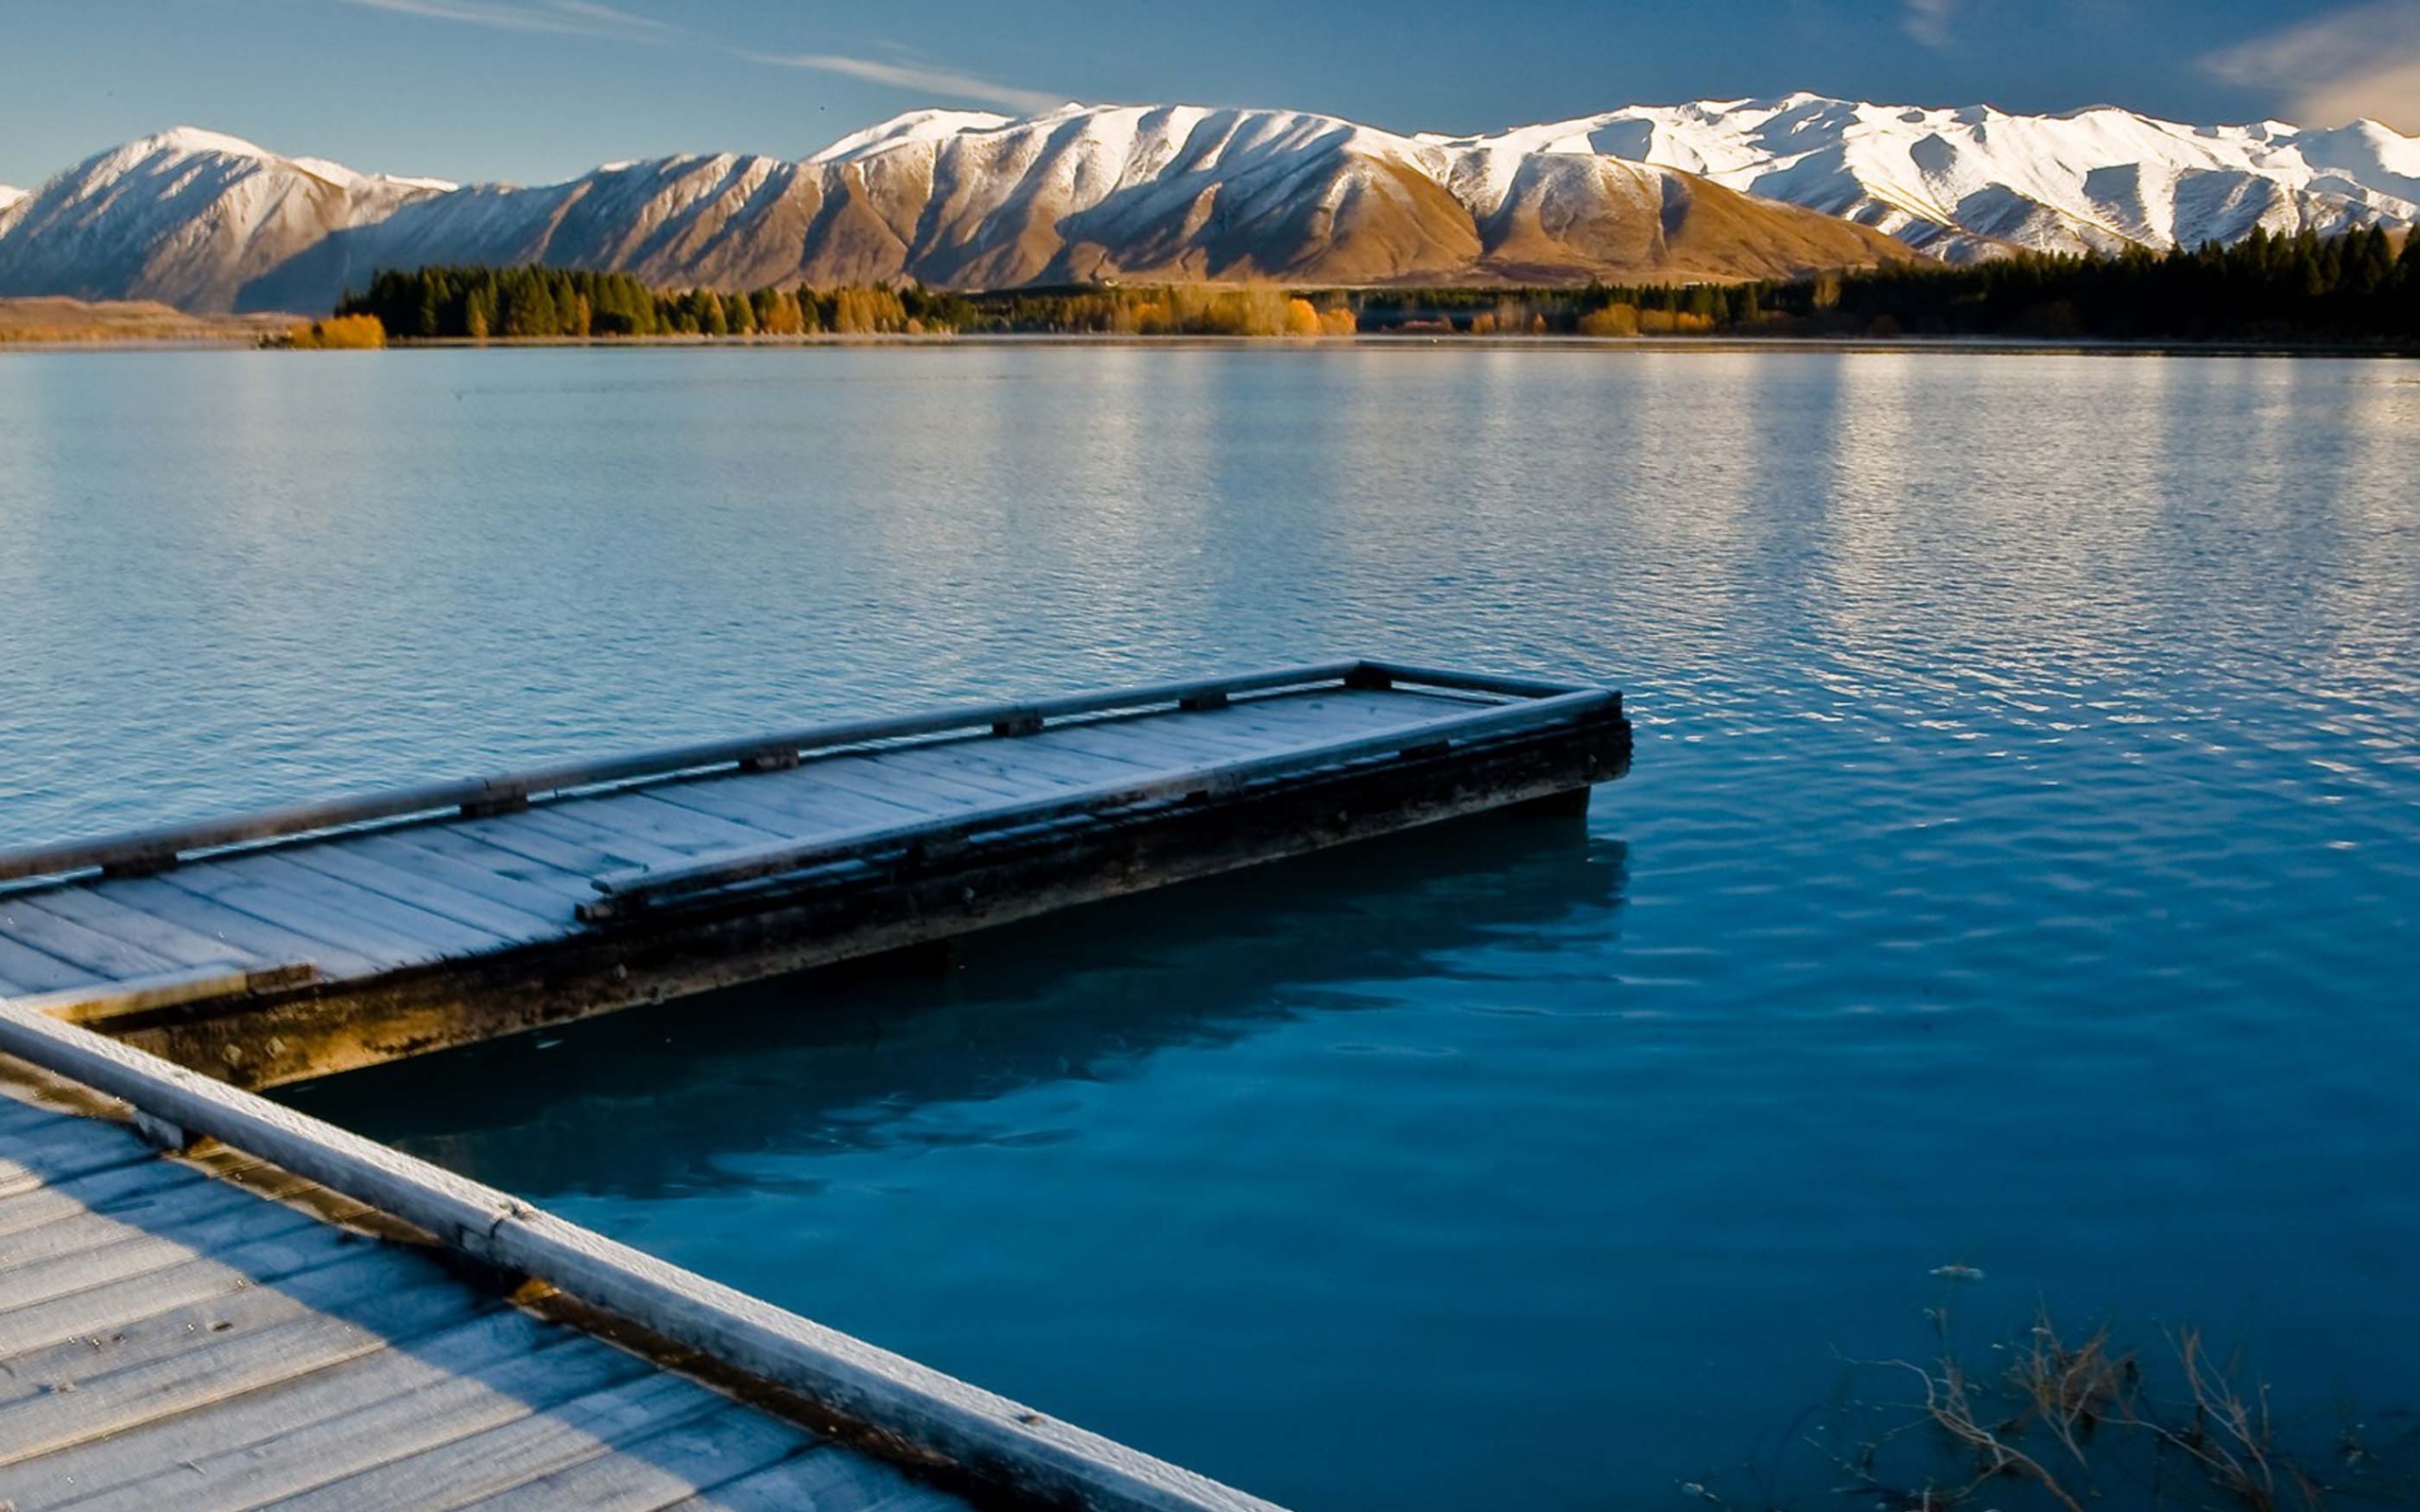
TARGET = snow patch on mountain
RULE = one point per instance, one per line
(915, 126)
(1974, 181)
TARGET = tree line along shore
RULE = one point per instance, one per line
(2360, 288)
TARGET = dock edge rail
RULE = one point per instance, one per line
(142, 851)
(992, 1441)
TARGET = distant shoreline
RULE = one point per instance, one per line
(63, 325)
(44, 322)
(252, 340)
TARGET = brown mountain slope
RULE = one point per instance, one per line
(1578, 218)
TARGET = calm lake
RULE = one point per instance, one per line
(2020, 872)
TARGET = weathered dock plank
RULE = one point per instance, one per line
(278, 1256)
(162, 937)
(272, 947)
(170, 1338)
(522, 1452)
(103, 1400)
(301, 1433)
(721, 1445)
(377, 1376)
(259, 941)
(813, 1481)
(106, 956)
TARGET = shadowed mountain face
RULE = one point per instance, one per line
(955, 200)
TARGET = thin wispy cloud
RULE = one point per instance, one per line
(2362, 61)
(1928, 20)
(561, 17)
(607, 15)
(592, 17)
(921, 78)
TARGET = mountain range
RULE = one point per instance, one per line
(1713, 190)
(1973, 182)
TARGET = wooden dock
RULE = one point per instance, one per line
(297, 1317)
(211, 1301)
(170, 1338)
(273, 947)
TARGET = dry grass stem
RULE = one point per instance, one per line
(2073, 1389)
(2174, 1428)
(1950, 1404)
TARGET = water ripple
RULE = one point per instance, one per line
(2019, 865)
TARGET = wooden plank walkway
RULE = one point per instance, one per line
(303, 1319)
(271, 947)
(170, 1338)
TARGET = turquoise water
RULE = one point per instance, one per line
(2019, 871)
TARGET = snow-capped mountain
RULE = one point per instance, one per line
(1184, 192)
(1970, 182)
(187, 217)
(959, 198)
(10, 195)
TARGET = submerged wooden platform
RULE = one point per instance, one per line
(303, 1319)
(273, 947)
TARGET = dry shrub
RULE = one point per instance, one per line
(344, 332)
(1673, 322)
(1612, 320)
(1338, 321)
(1186, 311)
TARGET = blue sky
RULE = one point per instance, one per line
(533, 90)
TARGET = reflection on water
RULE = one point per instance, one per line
(2016, 871)
(861, 1057)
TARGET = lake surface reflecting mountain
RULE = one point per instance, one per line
(2018, 870)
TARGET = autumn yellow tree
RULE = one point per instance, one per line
(344, 332)
(867, 311)
(782, 318)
